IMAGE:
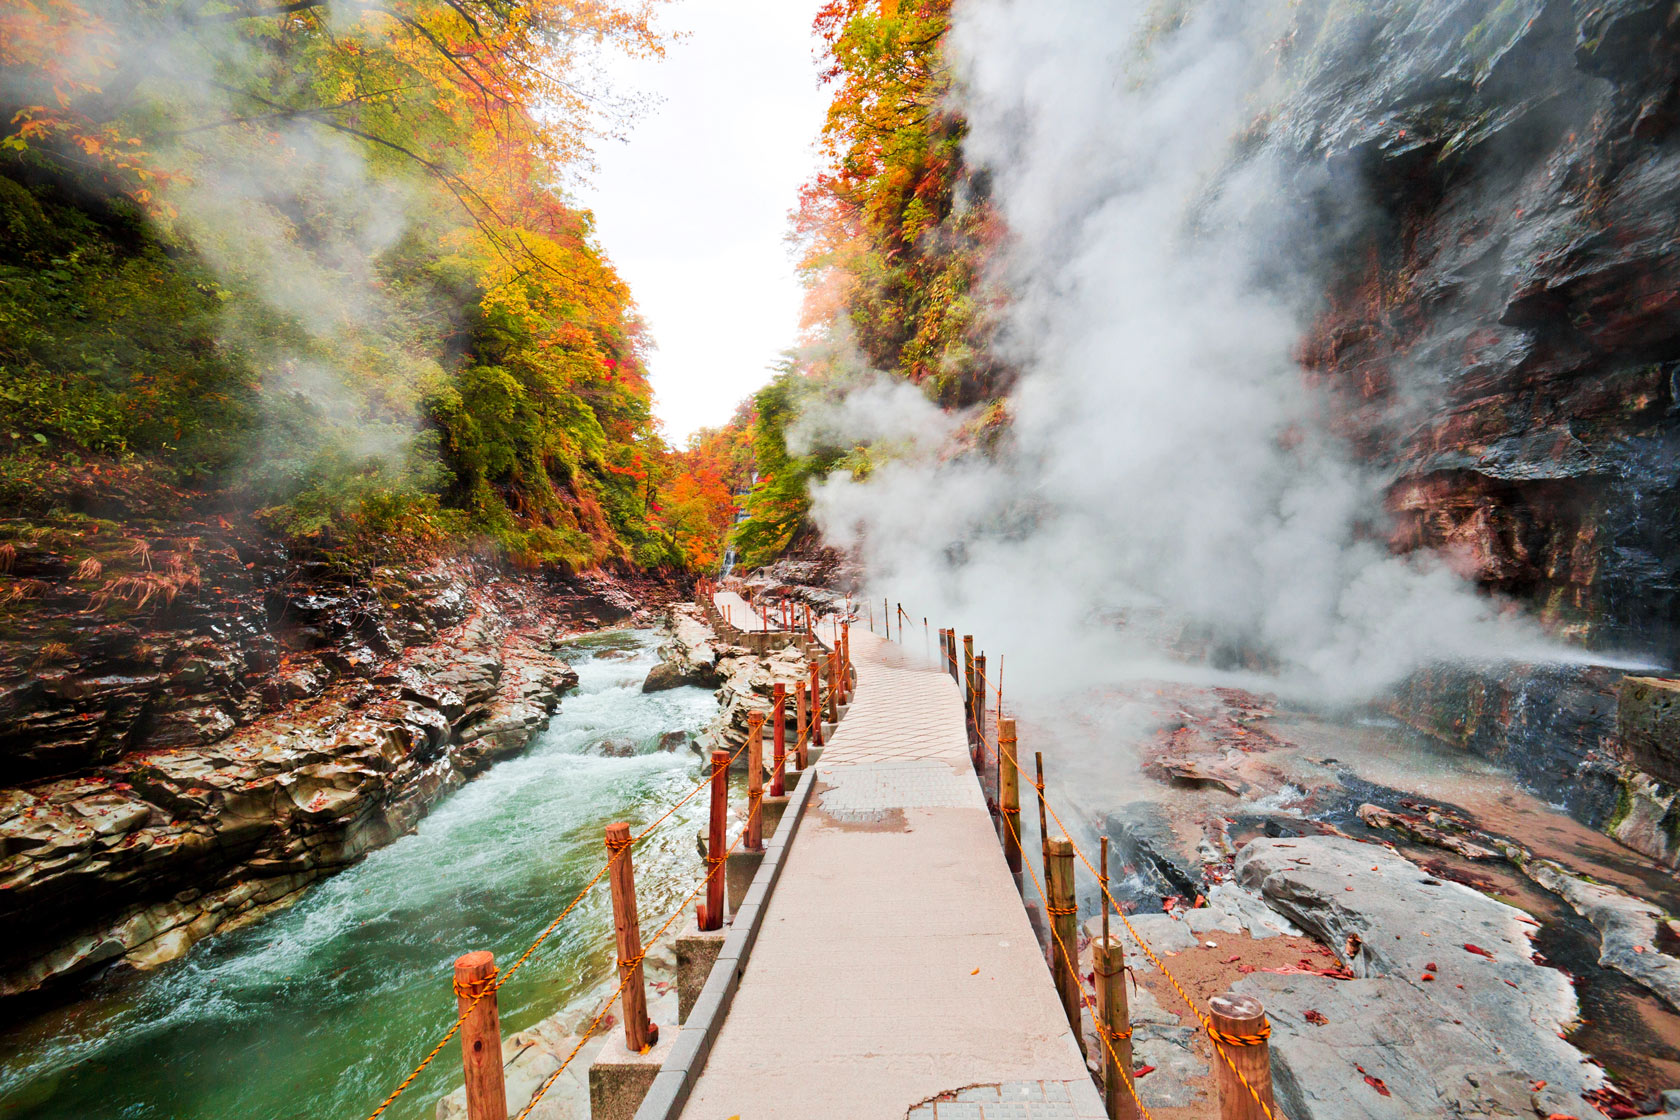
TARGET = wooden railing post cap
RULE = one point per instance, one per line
(1241, 1009)
(754, 718)
(472, 965)
(1062, 846)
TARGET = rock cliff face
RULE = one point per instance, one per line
(1503, 339)
(176, 762)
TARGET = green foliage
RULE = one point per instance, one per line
(781, 499)
(108, 343)
(327, 275)
(896, 231)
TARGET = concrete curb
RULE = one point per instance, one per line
(676, 1077)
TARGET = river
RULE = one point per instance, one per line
(320, 1009)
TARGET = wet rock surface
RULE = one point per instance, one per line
(688, 658)
(1461, 851)
(203, 760)
(1520, 274)
(1448, 1009)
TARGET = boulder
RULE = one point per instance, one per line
(1448, 1012)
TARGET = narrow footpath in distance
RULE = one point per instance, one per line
(896, 973)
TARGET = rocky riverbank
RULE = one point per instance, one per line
(1395, 903)
(182, 763)
(745, 681)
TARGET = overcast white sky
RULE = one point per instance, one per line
(693, 209)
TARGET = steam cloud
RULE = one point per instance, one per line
(1168, 484)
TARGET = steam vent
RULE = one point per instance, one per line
(855, 559)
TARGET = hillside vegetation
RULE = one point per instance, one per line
(318, 262)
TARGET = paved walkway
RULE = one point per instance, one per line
(896, 974)
(743, 613)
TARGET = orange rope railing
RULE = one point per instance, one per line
(493, 984)
(1218, 1039)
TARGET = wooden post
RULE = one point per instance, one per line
(998, 690)
(779, 755)
(979, 706)
(1242, 1017)
(846, 660)
(755, 781)
(800, 734)
(887, 618)
(710, 912)
(967, 680)
(1108, 960)
(816, 708)
(481, 1036)
(834, 685)
(638, 1032)
(1043, 829)
(1009, 794)
(951, 649)
(1064, 921)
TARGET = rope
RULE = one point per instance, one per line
(1261, 1035)
(496, 981)
(1207, 1024)
(1073, 966)
(606, 1004)
(476, 990)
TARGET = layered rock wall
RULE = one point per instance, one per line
(175, 764)
(1503, 336)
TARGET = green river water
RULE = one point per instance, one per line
(319, 1010)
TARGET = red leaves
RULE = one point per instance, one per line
(1141, 1072)
(1304, 967)
(1612, 1102)
(1374, 1082)
(1478, 950)
(1316, 1018)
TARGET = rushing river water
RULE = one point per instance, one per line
(319, 1010)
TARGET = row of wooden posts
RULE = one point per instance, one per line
(1243, 1064)
(815, 698)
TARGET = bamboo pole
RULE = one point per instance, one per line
(1064, 921)
(980, 713)
(481, 1036)
(779, 756)
(639, 1033)
(1009, 794)
(1242, 1018)
(710, 912)
(755, 781)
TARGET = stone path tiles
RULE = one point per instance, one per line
(742, 613)
(1016, 1100)
(895, 969)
